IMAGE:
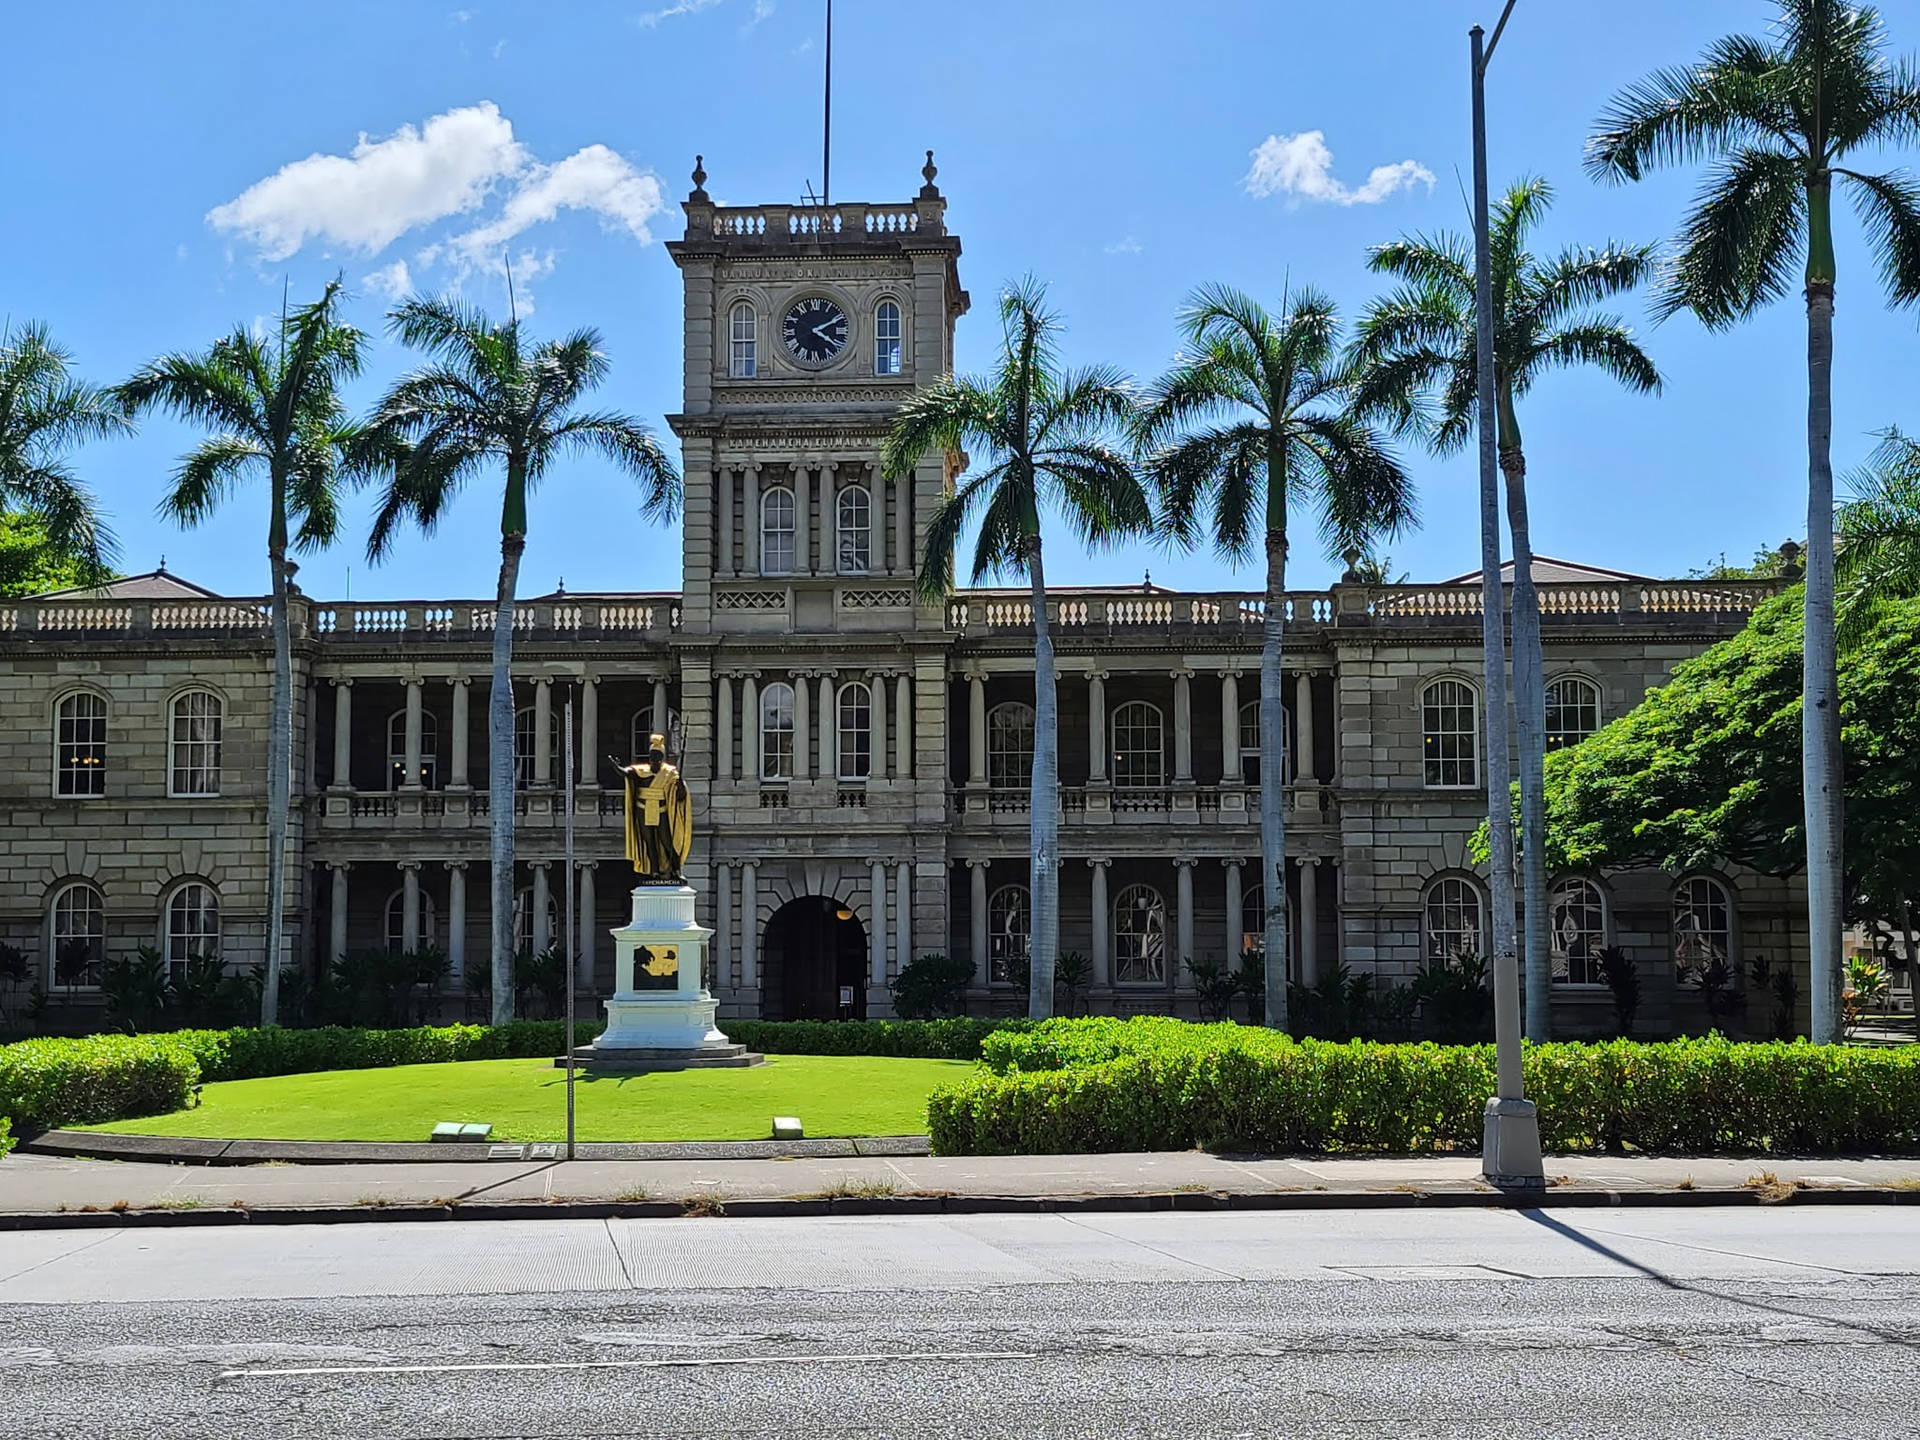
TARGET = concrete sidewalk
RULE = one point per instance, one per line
(37, 1190)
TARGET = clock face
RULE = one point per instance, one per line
(815, 330)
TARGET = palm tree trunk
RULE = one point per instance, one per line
(1529, 704)
(1273, 752)
(279, 773)
(1043, 813)
(1820, 701)
(500, 794)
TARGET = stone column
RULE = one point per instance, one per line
(1230, 771)
(337, 911)
(829, 520)
(750, 730)
(877, 561)
(409, 905)
(537, 929)
(877, 724)
(1102, 926)
(802, 520)
(829, 722)
(457, 748)
(586, 931)
(877, 936)
(723, 520)
(342, 734)
(723, 729)
(662, 709)
(903, 524)
(977, 729)
(1182, 726)
(542, 731)
(902, 726)
(1309, 921)
(902, 915)
(587, 744)
(977, 917)
(1236, 900)
(1183, 918)
(1096, 727)
(723, 924)
(457, 918)
(309, 757)
(749, 925)
(411, 779)
(750, 518)
(802, 752)
(1306, 772)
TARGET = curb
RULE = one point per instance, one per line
(188, 1150)
(804, 1207)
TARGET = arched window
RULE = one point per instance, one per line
(193, 925)
(1573, 711)
(1702, 927)
(643, 731)
(1454, 923)
(397, 922)
(524, 750)
(1253, 920)
(1577, 927)
(77, 937)
(743, 334)
(1450, 722)
(853, 520)
(429, 749)
(1010, 746)
(193, 745)
(1139, 937)
(853, 728)
(776, 732)
(886, 339)
(80, 744)
(523, 921)
(1138, 746)
(776, 531)
(1250, 743)
(1009, 934)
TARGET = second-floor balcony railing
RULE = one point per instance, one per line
(1012, 805)
(625, 617)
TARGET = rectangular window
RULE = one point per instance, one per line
(855, 732)
(886, 339)
(1452, 732)
(196, 745)
(80, 742)
(741, 346)
(854, 524)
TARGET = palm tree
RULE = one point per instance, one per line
(274, 409)
(491, 396)
(1778, 117)
(1251, 420)
(1877, 560)
(44, 412)
(1047, 436)
(1417, 353)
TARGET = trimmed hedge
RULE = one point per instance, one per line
(44, 1083)
(956, 1039)
(1105, 1085)
(6, 1136)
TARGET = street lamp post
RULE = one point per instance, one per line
(1510, 1153)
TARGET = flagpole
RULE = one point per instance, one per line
(826, 121)
(572, 914)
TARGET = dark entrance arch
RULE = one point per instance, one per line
(815, 950)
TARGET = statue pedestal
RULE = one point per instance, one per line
(661, 1016)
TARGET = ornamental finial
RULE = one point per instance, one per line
(699, 178)
(928, 171)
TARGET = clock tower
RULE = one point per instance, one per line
(813, 676)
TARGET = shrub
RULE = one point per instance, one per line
(956, 1038)
(6, 1136)
(1623, 980)
(932, 986)
(51, 1082)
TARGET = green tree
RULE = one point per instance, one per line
(1048, 438)
(1250, 423)
(1702, 771)
(490, 396)
(45, 412)
(1877, 561)
(274, 409)
(1416, 357)
(1779, 118)
(31, 564)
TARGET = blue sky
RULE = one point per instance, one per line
(1107, 146)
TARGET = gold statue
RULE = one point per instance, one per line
(659, 816)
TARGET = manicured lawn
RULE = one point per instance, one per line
(526, 1100)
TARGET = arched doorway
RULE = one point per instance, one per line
(816, 962)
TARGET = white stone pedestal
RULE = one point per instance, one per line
(661, 1016)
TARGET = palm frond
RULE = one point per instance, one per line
(1730, 99)
(1877, 559)
(207, 474)
(1739, 244)
(633, 448)
(1889, 206)
(943, 416)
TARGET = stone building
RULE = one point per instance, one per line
(858, 755)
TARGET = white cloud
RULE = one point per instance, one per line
(761, 10)
(392, 281)
(679, 7)
(499, 48)
(596, 179)
(367, 200)
(459, 17)
(1125, 245)
(1301, 168)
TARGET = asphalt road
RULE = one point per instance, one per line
(1788, 1321)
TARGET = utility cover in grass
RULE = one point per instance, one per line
(840, 1095)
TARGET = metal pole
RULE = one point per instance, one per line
(826, 128)
(1510, 1118)
(572, 915)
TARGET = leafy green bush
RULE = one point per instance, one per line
(957, 1038)
(50, 1082)
(6, 1136)
(1159, 1084)
(932, 986)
